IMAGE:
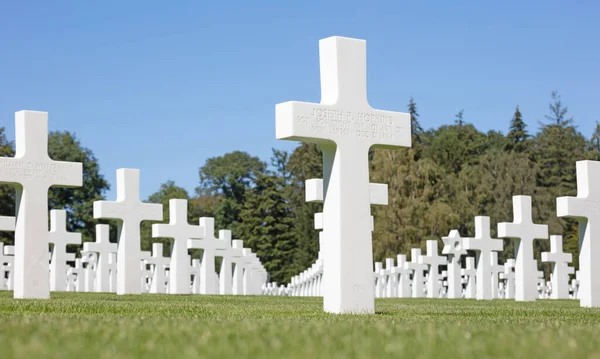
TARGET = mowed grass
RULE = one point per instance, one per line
(90, 325)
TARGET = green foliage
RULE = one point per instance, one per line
(227, 178)
(79, 202)
(7, 192)
(415, 125)
(268, 227)
(518, 135)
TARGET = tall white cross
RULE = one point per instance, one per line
(180, 231)
(434, 261)
(586, 209)
(34, 172)
(418, 290)
(403, 273)
(524, 231)
(225, 252)
(496, 269)
(60, 238)
(91, 261)
(391, 286)
(238, 267)
(159, 263)
(104, 248)
(79, 273)
(130, 212)
(209, 245)
(454, 249)
(509, 278)
(483, 245)
(470, 274)
(345, 127)
(560, 272)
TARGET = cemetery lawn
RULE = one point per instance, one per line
(95, 325)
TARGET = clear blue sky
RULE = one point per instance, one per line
(164, 86)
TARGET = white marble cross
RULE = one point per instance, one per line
(158, 264)
(379, 276)
(470, 274)
(34, 172)
(79, 272)
(391, 286)
(104, 248)
(225, 252)
(130, 212)
(434, 261)
(524, 231)
(180, 231)
(418, 290)
(146, 273)
(209, 244)
(7, 224)
(60, 238)
(483, 245)
(496, 269)
(454, 249)
(586, 209)
(403, 273)
(345, 127)
(509, 278)
(91, 261)
(560, 272)
(238, 267)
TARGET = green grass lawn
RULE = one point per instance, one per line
(90, 325)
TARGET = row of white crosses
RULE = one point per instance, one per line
(104, 266)
(483, 277)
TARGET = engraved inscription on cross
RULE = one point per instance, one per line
(524, 231)
(130, 212)
(345, 127)
(34, 172)
(180, 231)
(586, 209)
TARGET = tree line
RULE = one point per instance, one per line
(450, 175)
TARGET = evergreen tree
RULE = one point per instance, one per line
(558, 112)
(595, 143)
(267, 227)
(459, 118)
(518, 134)
(415, 125)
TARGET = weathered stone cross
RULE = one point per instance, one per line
(104, 248)
(483, 244)
(60, 238)
(180, 231)
(524, 231)
(345, 127)
(130, 212)
(586, 209)
(33, 173)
